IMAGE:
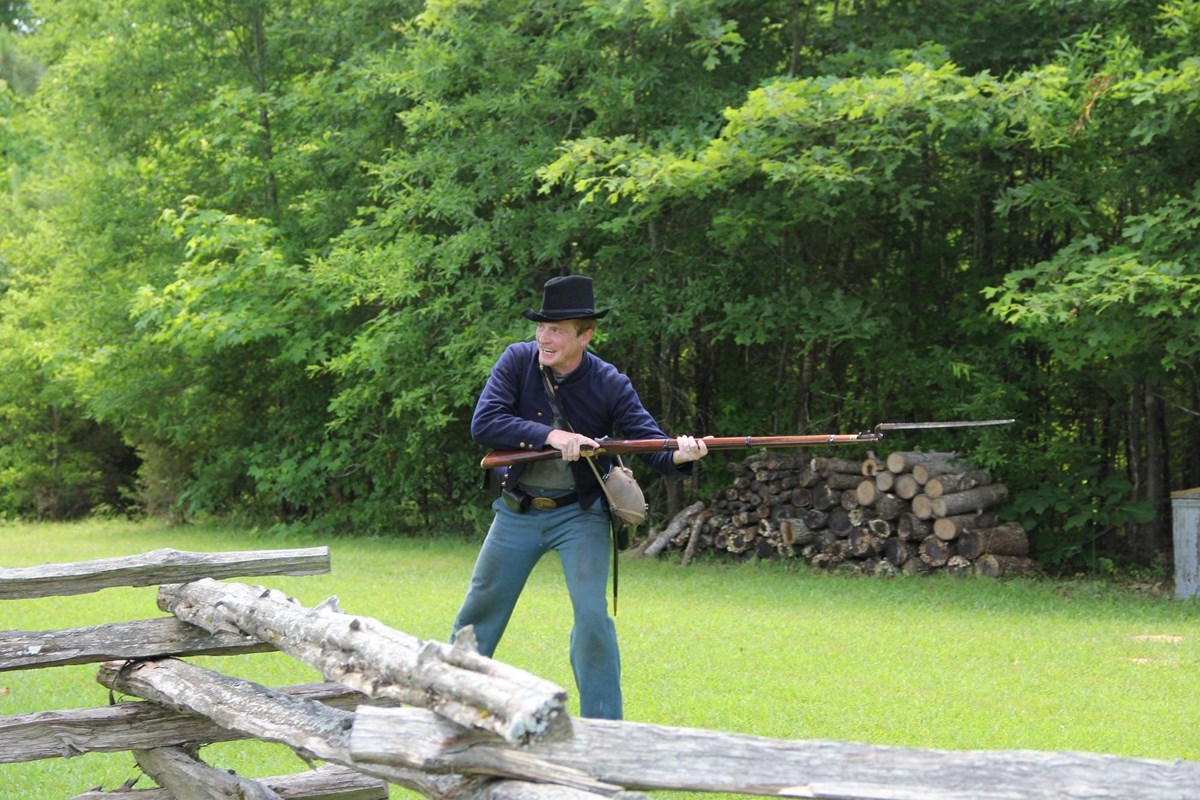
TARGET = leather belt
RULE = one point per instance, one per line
(551, 503)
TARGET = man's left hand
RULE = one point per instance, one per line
(689, 448)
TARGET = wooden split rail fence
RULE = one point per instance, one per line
(434, 717)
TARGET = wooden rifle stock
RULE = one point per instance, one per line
(620, 447)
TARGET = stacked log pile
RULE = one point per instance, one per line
(911, 513)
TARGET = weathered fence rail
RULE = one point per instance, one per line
(154, 568)
(437, 718)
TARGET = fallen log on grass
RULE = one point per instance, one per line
(378, 661)
(654, 545)
(693, 538)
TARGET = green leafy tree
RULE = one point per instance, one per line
(275, 247)
(1106, 302)
(15, 15)
(198, 106)
(464, 230)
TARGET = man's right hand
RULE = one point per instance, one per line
(570, 444)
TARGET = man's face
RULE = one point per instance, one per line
(560, 345)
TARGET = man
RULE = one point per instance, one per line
(557, 504)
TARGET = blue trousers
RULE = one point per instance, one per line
(515, 543)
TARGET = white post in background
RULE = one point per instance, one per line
(1185, 511)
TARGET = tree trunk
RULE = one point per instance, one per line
(1152, 534)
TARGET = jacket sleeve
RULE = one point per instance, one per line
(499, 421)
(632, 421)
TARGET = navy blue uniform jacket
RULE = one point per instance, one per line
(597, 399)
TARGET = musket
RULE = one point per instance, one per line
(507, 458)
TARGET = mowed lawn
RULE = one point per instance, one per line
(770, 649)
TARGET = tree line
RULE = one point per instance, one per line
(258, 257)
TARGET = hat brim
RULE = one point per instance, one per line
(565, 314)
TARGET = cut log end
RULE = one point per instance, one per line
(991, 566)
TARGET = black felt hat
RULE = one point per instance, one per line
(567, 297)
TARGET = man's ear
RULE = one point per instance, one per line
(586, 336)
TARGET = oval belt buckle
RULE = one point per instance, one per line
(544, 503)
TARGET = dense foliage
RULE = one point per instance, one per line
(259, 256)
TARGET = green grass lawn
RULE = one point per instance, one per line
(936, 662)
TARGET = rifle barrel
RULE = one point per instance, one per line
(507, 458)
